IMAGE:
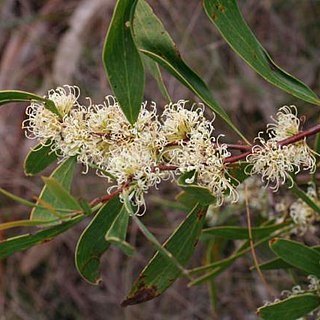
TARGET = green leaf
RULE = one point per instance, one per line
(63, 174)
(61, 195)
(291, 308)
(154, 70)
(153, 40)
(298, 255)
(160, 272)
(39, 158)
(92, 243)
(298, 192)
(122, 61)
(273, 264)
(235, 233)
(7, 96)
(203, 195)
(26, 241)
(117, 233)
(229, 21)
(278, 263)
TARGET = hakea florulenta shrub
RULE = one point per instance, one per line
(134, 147)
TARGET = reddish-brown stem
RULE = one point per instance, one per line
(293, 139)
(108, 197)
(240, 147)
(300, 136)
(232, 159)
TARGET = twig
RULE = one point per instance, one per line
(107, 197)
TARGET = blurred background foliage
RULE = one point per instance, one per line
(48, 43)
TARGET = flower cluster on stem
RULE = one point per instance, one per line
(181, 140)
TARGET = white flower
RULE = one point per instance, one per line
(302, 214)
(135, 165)
(206, 156)
(41, 123)
(314, 284)
(272, 162)
(179, 122)
(64, 98)
(275, 162)
(44, 125)
(286, 123)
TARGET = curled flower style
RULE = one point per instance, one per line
(179, 122)
(44, 125)
(64, 98)
(303, 215)
(286, 123)
(272, 162)
(205, 156)
(134, 163)
(41, 124)
(275, 161)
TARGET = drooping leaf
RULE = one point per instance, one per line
(153, 40)
(291, 308)
(92, 243)
(26, 241)
(117, 233)
(122, 61)
(227, 17)
(39, 158)
(160, 273)
(235, 233)
(298, 255)
(7, 96)
(63, 174)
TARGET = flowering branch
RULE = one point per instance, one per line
(291, 140)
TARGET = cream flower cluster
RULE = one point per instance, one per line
(133, 156)
(137, 157)
(274, 162)
(303, 215)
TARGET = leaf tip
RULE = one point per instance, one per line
(142, 295)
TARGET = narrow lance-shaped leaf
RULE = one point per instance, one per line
(227, 17)
(153, 40)
(233, 232)
(117, 233)
(122, 61)
(298, 255)
(291, 308)
(7, 96)
(63, 174)
(273, 264)
(26, 241)
(160, 273)
(92, 243)
(278, 263)
(39, 158)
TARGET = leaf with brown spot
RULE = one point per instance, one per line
(160, 272)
